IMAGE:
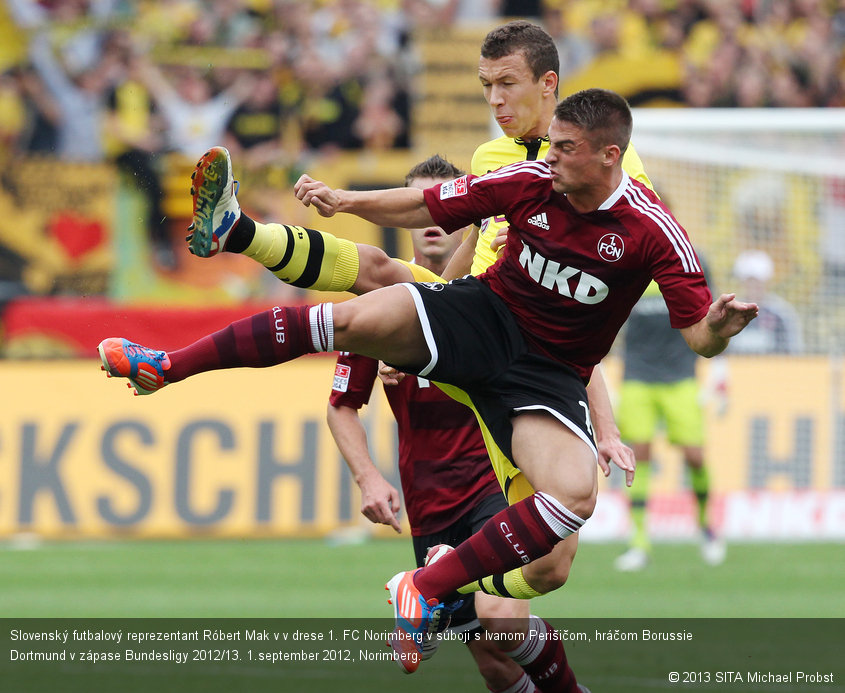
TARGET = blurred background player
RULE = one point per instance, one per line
(777, 329)
(660, 390)
(449, 487)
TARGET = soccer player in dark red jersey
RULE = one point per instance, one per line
(520, 340)
(449, 486)
(518, 71)
(584, 242)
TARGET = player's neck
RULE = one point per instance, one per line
(590, 198)
(432, 265)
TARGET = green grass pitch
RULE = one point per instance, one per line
(778, 588)
(313, 578)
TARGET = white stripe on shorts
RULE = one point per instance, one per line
(426, 327)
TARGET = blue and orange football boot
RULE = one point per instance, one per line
(143, 367)
(414, 620)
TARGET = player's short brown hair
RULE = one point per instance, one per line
(433, 167)
(532, 40)
(601, 112)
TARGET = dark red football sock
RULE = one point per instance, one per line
(514, 536)
(544, 659)
(264, 339)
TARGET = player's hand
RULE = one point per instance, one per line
(727, 316)
(389, 375)
(614, 450)
(380, 501)
(315, 192)
(498, 243)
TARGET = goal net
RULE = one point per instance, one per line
(771, 181)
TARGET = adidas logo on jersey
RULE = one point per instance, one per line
(539, 220)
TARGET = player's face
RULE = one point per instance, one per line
(515, 97)
(432, 243)
(574, 163)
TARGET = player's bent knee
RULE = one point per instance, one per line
(581, 501)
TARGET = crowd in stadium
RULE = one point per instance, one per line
(339, 73)
(282, 82)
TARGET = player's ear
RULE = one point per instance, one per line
(550, 80)
(612, 154)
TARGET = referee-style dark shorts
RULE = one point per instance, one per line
(476, 345)
(464, 619)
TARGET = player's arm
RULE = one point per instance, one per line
(725, 318)
(608, 438)
(461, 262)
(379, 499)
(399, 207)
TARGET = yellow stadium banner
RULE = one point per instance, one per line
(247, 453)
(230, 453)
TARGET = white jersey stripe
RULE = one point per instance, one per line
(537, 168)
(672, 224)
(508, 171)
(671, 230)
(616, 194)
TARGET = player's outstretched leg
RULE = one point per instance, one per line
(298, 256)
(415, 618)
(252, 342)
(143, 367)
(216, 209)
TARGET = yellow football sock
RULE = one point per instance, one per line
(701, 487)
(639, 501)
(512, 584)
(304, 257)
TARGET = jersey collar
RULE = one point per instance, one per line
(532, 146)
(616, 194)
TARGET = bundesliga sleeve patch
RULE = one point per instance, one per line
(341, 378)
(453, 188)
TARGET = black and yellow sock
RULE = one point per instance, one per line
(511, 584)
(298, 256)
(638, 494)
(700, 479)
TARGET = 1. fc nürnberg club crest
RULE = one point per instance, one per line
(611, 247)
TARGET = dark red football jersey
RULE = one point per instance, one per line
(571, 279)
(443, 464)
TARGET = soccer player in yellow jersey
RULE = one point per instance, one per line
(518, 70)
